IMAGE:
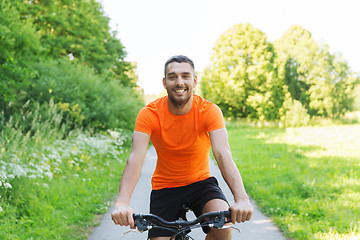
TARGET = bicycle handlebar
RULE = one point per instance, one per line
(145, 222)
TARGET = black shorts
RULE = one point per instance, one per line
(167, 203)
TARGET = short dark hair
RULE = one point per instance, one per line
(179, 59)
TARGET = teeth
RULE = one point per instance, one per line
(179, 91)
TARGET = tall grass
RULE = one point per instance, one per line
(54, 182)
(307, 179)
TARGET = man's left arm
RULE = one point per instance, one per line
(241, 210)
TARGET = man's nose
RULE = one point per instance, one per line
(179, 81)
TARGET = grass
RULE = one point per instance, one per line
(306, 179)
(66, 206)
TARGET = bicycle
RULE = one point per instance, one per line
(182, 228)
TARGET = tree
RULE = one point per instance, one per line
(62, 51)
(19, 45)
(241, 77)
(79, 30)
(319, 80)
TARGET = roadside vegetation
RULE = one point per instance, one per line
(68, 101)
(54, 183)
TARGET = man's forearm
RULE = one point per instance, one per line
(232, 176)
(129, 178)
(229, 170)
(132, 170)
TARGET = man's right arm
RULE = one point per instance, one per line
(122, 215)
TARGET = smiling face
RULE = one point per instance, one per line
(179, 82)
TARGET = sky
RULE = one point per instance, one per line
(154, 30)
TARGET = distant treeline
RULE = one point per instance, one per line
(290, 80)
(64, 52)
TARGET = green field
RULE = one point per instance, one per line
(306, 179)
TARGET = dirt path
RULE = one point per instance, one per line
(259, 228)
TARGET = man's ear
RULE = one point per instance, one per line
(195, 81)
(164, 82)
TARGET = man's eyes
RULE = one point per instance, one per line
(185, 76)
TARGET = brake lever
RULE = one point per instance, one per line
(130, 231)
(231, 226)
(136, 230)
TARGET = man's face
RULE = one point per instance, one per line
(179, 82)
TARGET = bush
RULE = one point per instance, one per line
(296, 115)
(86, 99)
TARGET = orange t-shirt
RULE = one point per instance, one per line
(182, 142)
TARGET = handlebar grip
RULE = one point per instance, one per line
(136, 216)
(228, 214)
(141, 226)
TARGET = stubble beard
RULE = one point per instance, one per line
(178, 102)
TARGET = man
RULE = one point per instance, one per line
(182, 127)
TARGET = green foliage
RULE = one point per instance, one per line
(306, 179)
(94, 87)
(19, 44)
(79, 30)
(54, 189)
(321, 81)
(249, 77)
(87, 99)
(295, 113)
(61, 72)
(242, 78)
(18, 36)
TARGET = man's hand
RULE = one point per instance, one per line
(241, 211)
(123, 215)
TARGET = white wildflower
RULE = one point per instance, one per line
(10, 176)
(32, 176)
(19, 171)
(49, 175)
(54, 155)
(114, 134)
(7, 185)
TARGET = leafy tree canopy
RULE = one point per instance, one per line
(321, 81)
(241, 77)
(80, 30)
(63, 51)
(250, 77)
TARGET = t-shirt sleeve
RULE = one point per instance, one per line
(214, 119)
(144, 121)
